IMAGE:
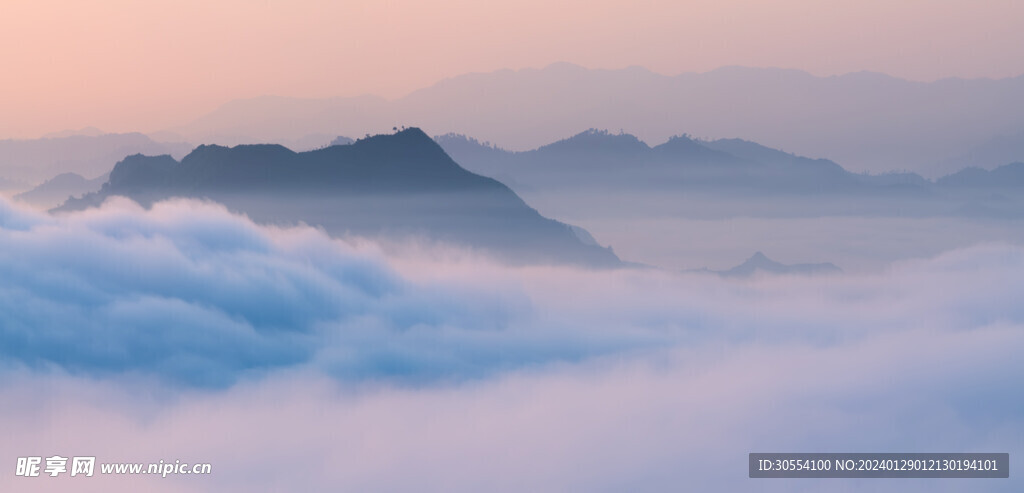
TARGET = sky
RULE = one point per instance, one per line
(131, 65)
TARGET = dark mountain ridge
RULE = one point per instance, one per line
(396, 185)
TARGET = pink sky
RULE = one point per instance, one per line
(125, 65)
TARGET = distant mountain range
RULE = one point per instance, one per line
(761, 264)
(57, 190)
(987, 155)
(728, 177)
(603, 162)
(90, 154)
(1006, 177)
(401, 184)
(601, 159)
(866, 121)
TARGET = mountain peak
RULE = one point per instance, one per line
(684, 146)
(759, 262)
(411, 138)
(393, 185)
(409, 150)
(240, 156)
(599, 140)
(1007, 175)
(139, 170)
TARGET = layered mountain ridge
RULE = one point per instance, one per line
(400, 184)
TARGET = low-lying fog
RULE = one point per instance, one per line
(288, 359)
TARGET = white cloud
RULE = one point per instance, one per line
(379, 373)
(191, 293)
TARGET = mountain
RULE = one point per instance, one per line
(759, 263)
(37, 160)
(682, 147)
(685, 177)
(57, 190)
(341, 140)
(752, 151)
(989, 154)
(395, 185)
(1008, 176)
(604, 160)
(868, 122)
(597, 144)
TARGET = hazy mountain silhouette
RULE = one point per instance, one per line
(341, 140)
(37, 160)
(989, 154)
(621, 161)
(597, 144)
(752, 151)
(1003, 177)
(682, 147)
(866, 121)
(725, 178)
(57, 190)
(761, 264)
(399, 184)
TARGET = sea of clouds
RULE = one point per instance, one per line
(292, 361)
